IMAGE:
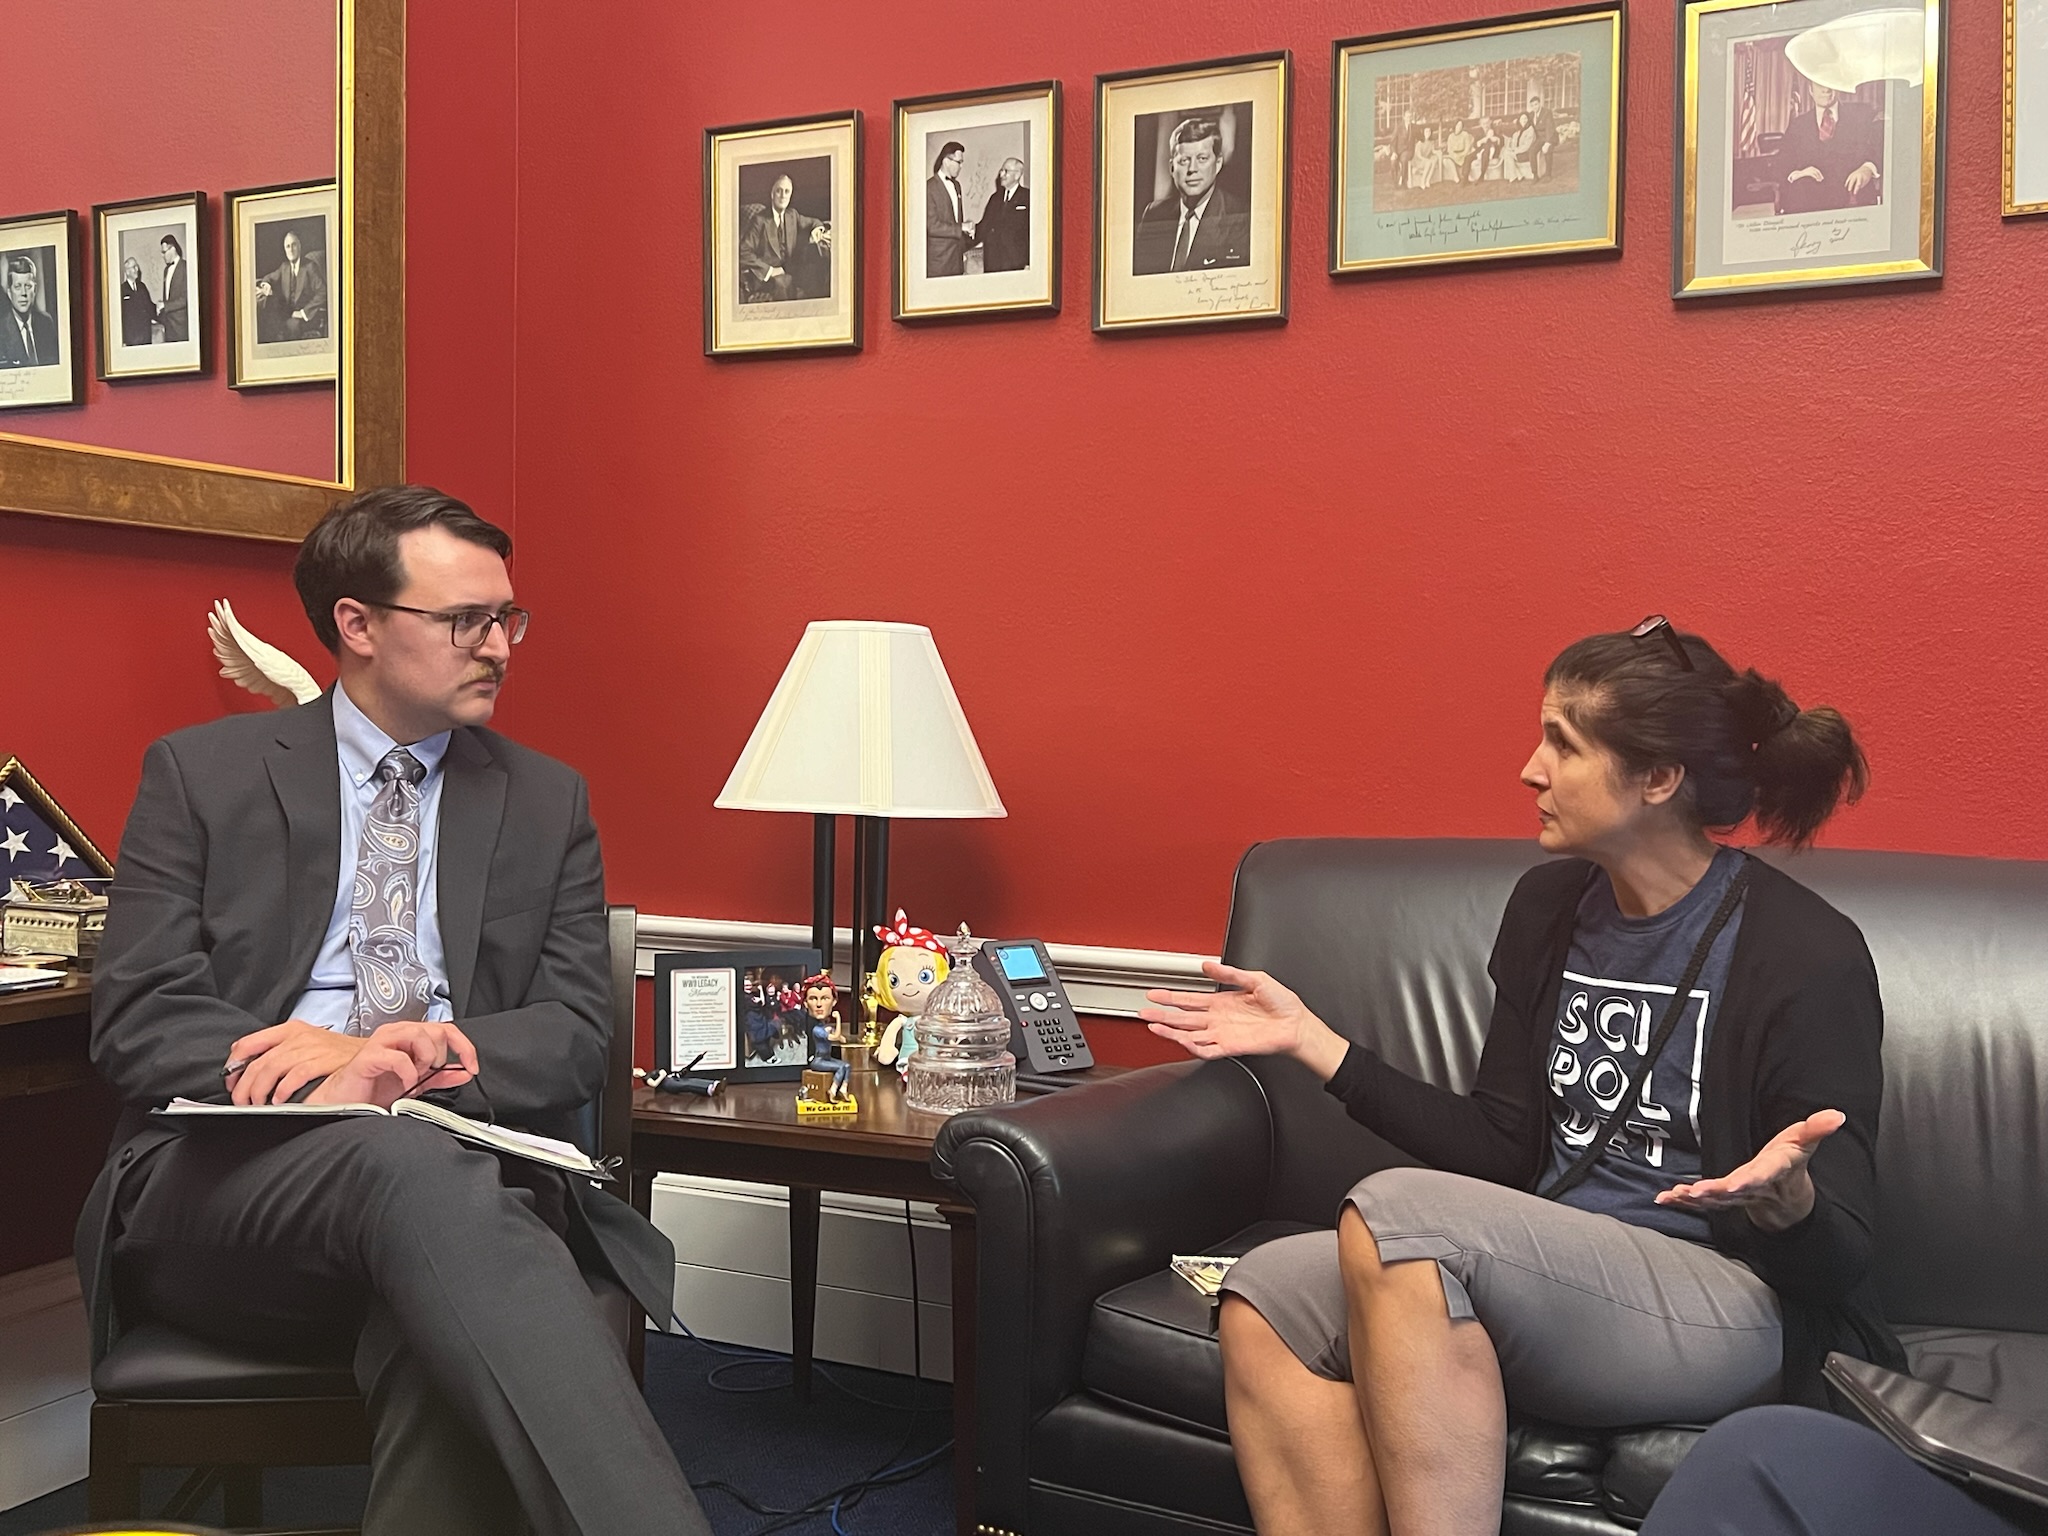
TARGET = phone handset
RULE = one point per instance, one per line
(1045, 1032)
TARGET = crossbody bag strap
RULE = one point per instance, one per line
(1573, 1176)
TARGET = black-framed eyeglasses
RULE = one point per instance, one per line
(1656, 623)
(469, 627)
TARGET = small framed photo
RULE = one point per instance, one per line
(2026, 107)
(149, 287)
(1476, 143)
(1191, 193)
(978, 204)
(282, 304)
(736, 1014)
(40, 306)
(782, 248)
(1810, 144)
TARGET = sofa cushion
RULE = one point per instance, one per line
(2009, 1370)
(1152, 1343)
(1552, 1461)
(1639, 1463)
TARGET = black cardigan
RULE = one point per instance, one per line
(1798, 1030)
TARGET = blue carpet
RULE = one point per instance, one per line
(760, 1442)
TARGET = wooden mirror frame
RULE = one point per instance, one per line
(111, 485)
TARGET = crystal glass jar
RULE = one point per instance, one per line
(963, 1058)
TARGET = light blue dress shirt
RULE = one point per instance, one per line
(330, 997)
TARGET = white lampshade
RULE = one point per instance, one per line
(1853, 50)
(863, 723)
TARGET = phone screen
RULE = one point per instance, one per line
(1021, 964)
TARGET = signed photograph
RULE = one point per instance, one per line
(782, 236)
(1810, 144)
(40, 362)
(1497, 139)
(282, 276)
(1191, 172)
(149, 287)
(2026, 107)
(977, 204)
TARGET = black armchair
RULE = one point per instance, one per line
(1099, 1383)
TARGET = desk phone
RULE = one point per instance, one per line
(1044, 1033)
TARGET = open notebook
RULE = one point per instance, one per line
(539, 1149)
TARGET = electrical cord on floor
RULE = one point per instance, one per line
(846, 1496)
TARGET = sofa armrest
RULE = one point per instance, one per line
(1076, 1193)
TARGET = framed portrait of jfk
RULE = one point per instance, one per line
(782, 249)
(40, 361)
(977, 203)
(151, 304)
(1810, 144)
(2026, 107)
(282, 302)
(1473, 143)
(1191, 193)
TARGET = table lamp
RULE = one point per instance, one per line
(864, 723)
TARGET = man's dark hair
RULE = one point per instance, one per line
(22, 264)
(172, 242)
(1194, 130)
(950, 147)
(353, 550)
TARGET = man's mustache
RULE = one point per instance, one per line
(489, 672)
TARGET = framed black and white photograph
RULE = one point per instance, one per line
(282, 303)
(1491, 140)
(1191, 193)
(782, 247)
(2026, 107)
(149, 286)
(977, 201)
(735, 1014)
(41, 363)
(1810, 144)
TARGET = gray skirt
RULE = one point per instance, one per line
(1596, 1323)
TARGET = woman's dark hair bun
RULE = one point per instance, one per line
(1807, 760)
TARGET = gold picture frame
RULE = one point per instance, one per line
(106, 485)
(1233, 267)
(19, 787)
(2026, 67)
(1748, 221)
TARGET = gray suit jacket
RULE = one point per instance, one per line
(222, 894)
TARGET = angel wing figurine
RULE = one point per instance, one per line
(262, 669)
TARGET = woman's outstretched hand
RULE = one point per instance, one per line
(1774, 1186)
(1254, 1016)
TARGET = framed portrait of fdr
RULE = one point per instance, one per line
(1810, 144)
(782, 249)
(1191, 192)
(282, 302)
(40, 302)
(1476, 143)
(2026, 107)
(150, 299)
(977, 202)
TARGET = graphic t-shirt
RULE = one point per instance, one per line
(1619, 978)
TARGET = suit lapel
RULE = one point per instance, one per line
(305, 774)
(472, 806)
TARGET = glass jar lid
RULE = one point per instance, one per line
(963, 997)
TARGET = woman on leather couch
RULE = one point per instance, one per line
(1613, 1244)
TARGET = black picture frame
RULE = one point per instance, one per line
(1608, 247)
(71, 325)
(735, 963)
(1277, 312)
(718, 236)
(200, 289)
(232, 295)
(1052, 190)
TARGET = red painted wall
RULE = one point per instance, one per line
(1196, 590)
(242, 97)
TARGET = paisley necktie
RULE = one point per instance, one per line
(383, 937)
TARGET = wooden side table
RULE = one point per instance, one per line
(751, 1131)
(56, 1122)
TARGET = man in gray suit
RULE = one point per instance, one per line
(365, 898)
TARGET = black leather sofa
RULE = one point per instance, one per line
(1099, 1383)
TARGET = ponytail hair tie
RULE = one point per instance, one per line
(1781, 716)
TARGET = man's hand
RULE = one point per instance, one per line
(1774, 1186)
(1807, 173)
(1860, 178)
(1259, 1017)
(410, 1056)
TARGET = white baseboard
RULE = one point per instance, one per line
(1103, 981)
(45, 1386)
